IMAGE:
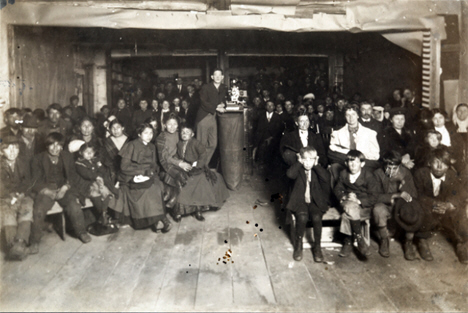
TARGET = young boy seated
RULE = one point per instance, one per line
(442, 201)
(309, 198)
(15, 204)
(356, 190)
(396, 187)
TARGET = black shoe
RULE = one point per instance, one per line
(462, 252)
(167, 226)
(177, 218)
(424, 250)
(199, 216)
(318, 256)
(410, 250)
(172, 201)
(384, 248)
(346, 248)
(362, 246)
(84, 237)
(18, 251)
(297, 254)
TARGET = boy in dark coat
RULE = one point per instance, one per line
(396, 187)
(309, 198)
(357, 191)
(55, 179)
(15, 203)
(442, 201)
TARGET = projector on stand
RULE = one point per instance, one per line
(236, 105)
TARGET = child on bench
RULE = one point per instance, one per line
(15, 204)
(357, 191)
(309, 198)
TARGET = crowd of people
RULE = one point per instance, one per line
(399, 164)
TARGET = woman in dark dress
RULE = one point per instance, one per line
(112, 145)
(85, 132)
(193, 187)
(140, 201)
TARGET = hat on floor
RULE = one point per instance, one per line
(408, 216)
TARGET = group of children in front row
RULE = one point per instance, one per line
(435, 197)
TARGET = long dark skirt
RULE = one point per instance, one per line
(140, 207)
(199, 192)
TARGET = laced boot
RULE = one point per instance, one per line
(297, 255)
(347, 247)
(18, 251)
(410, 250)
(424, 250)
(357, 235)
(384, 248)
(317, 251)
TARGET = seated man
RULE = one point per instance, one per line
(367, 120)
(353, 136)
(77, 112)
(54, 123)
(55, 179)
(396, 187)
(357, 191)
(15, 204)
(302, 137)
(12, 120)
(442, 201)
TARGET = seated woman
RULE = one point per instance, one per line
(140, 200)
(184, 163)
(112, 145)
(432, 141)
(85, 132)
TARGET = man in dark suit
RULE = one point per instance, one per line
(442, 201)
(293, 141)
(268, 134)
(28, 144)
(366, 118)
(212, 100)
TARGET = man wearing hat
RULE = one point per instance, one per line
(397, 137)
(28, 144)
(442, 201)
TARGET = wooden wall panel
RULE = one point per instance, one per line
(44, 68)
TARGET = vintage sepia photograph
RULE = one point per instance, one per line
(233, 156)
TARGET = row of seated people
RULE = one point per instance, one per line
(371, 176)
(87, 135)
(411, 134)
(136, 181)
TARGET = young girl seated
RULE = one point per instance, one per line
(94, 182)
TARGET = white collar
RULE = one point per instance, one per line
(435, 178)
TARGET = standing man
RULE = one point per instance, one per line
(212, 100)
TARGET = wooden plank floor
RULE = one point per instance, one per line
(183, 270)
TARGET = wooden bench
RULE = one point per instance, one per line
(331, 225)
(57, 209)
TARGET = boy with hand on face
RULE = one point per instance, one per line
(309, 198)
(356, 190)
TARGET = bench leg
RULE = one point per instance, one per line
(365, 225)
(62, 226)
